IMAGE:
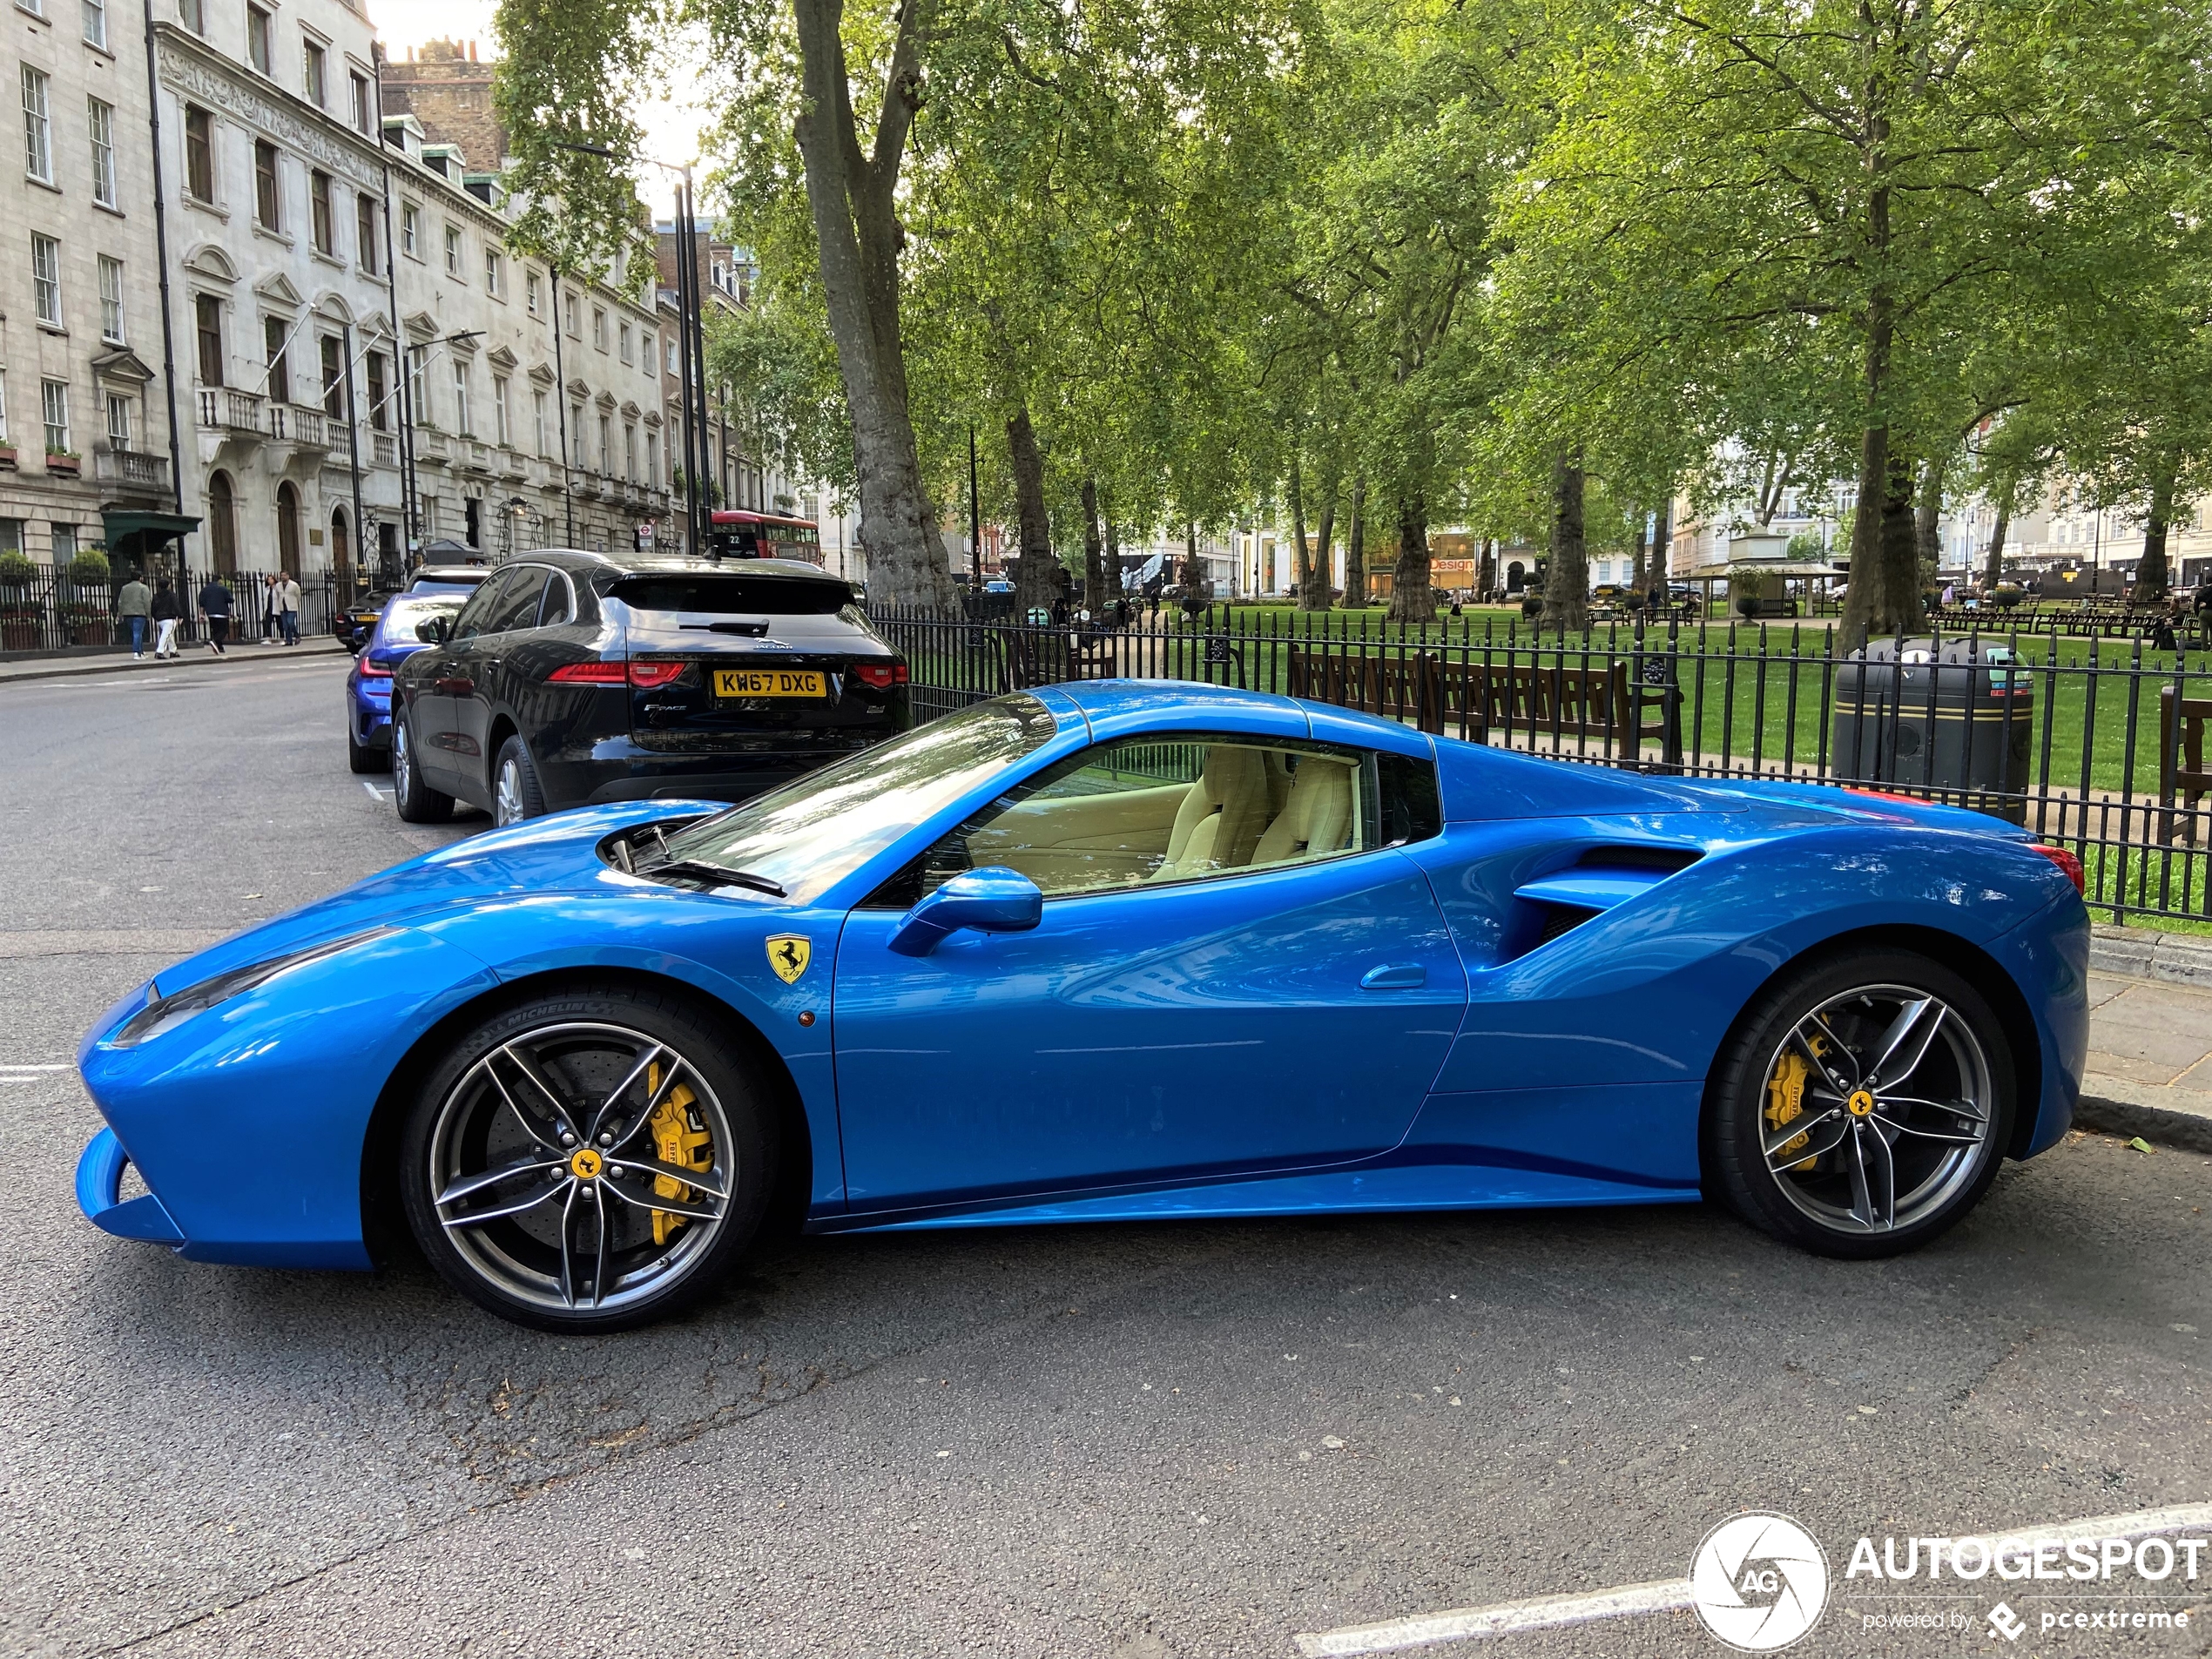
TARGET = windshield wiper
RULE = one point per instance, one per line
(700, 870)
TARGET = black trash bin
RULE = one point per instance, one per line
(1956, 720)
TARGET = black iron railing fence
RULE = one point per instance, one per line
(2096, 745)
(50, 610)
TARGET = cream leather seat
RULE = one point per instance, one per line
(1315, 820)
(1221, 815)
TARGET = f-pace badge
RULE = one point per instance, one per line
(788, 953)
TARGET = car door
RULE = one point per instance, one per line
(1234, 974)
(512, 614)
(440, 675)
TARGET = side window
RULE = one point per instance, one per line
(1140, 812)
(517, 606)
(493, 594)
(559, 606)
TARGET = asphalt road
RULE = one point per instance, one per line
(1157, 1441)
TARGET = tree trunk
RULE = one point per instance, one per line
(1567, 581)
(1301, 565)
(1094, 554)
(1636, 557)
(1113, 560)
(1884, 595)
(1900, 534)
(852, 200)
(1313, 594)
(2152, 578)
(1355, 546)
(1485, 571)
(1411, 598)
(1927, 518)
(1037, 574)
(1662, 541)
(1992, 570)
(1196, 588)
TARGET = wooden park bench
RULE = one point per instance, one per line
(2180, 762)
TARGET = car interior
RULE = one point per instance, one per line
(1125, 814)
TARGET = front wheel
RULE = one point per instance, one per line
(1864, 1106)
(415, 801)
(589, 1160)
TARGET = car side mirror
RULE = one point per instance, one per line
(996, 900)
(433, 630)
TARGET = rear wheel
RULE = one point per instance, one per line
(589, 1161)
(1866, 1106)
(359, 757)
(416, 802)
(514, 792)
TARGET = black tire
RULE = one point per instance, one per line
(415, 801)
(515, 794)
(361, 760)
(1939, 1146)
(505, 1263)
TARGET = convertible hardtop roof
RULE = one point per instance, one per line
(613, 566)
(1195, 700)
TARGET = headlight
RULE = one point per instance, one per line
(165, 1013)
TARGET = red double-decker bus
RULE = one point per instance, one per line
(742, 534)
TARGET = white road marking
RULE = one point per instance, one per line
(376, 792)
(64, 1067)
(1666, 1596)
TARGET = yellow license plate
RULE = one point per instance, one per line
(769, 682)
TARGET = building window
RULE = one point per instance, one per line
(499, 411)
(100, 121)
(46, 280)
(606, 448)
(410, 230)
(530, 285)
(537, 417)
(334, 379)
(363, 116)
(673, 367)
(461, 423)
(576, 326)
(119, 423)
(96, 23)
(630, 452)
(417, 392)
(312, 76)
(257, 40)
(200, 153)
(110, 301)
(494, 277)
(576, 436)
(599, 326)
(453, 250)
(365, 230)
(194, 13)
(274, 331)
(265, 186)
(207, 322)
(653, 456)
(318, 211)
(54, 398)
(4, 545)
(37, 129)
(377, 418)
(626, 353)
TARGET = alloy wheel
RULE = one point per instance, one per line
(581, 1166)
(1878, 1111)
(507, 795)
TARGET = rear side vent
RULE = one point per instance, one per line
(1561, 919)
(1554, 905)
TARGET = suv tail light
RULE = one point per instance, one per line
(881, 675)
(2069, 866)
(645, 676)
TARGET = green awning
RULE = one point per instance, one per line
(121, 526)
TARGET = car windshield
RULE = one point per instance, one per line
(401, 615)
(812, 834)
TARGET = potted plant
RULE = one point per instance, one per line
(1748, 589)
(1532, 603)
(65, 461)
(22, 615)
(7, 456)
(2005, 596)
(85, 613)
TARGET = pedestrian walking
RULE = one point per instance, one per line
(166, 613)
(215, 605)
(287, 597)
(134, 608)
(268, 610)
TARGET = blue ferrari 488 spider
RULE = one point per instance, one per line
(1105, 950)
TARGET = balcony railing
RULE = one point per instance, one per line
(511, 464)
(222, 409)
(384, 449)
(290, 424)
(475, 455)
(430, 443)
(128, 469)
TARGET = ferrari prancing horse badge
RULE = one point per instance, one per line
(788, 953)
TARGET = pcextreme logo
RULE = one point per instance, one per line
(1759, 1582)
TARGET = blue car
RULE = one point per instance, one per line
(368, 683)
(1101, 951)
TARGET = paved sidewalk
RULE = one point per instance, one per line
(2150, 1061)
(47, 668)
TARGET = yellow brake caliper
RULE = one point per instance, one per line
(680, 1138)
(1786, 1098)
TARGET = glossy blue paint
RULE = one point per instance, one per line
(1387, 1029)
(989, 900)
(99, 1194)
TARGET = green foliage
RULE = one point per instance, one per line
(89, 568)
(15, 568)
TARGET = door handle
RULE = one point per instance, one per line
(1394, 977)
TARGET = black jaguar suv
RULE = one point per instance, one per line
(571, 677)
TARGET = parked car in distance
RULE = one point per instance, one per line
(571, 677)
(449, 578)
(391, 639)
(354, 620)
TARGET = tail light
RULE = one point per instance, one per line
(2069, 866)
(881, 675)
(372, 669)
(645, 676)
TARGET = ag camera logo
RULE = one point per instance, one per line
(1759, 1582)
